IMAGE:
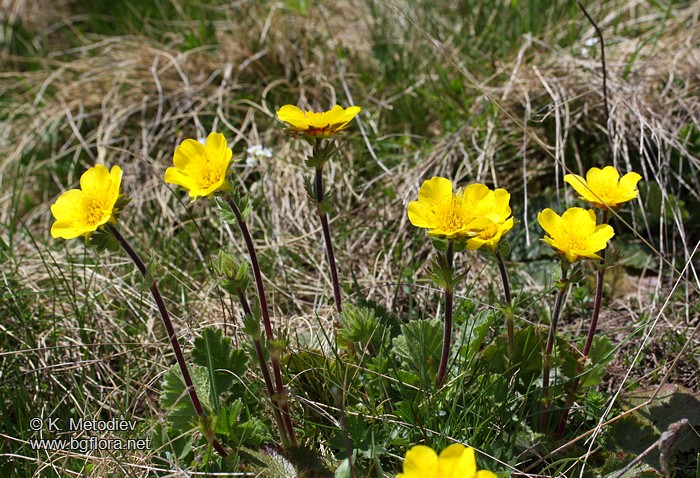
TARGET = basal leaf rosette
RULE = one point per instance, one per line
(455, 461)
(80, 212)
(448, 214)
(575, 235)
(604, 188)
(316, 125)
(494, 221)
(201, 168)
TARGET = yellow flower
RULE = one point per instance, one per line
(604, 188)
(81, 211)
(447, 214)
(201, 168)
(494, 223)
(575, 234)
(455, 461)
(317, 125)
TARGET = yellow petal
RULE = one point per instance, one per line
(436, 190)
(457, 461)
(485, 474)
(218, 152)
(628, 183)
(346, 115)
(599, 238)
(216, 143)
(115, 177)
(177, 176)
(602, 178)
(189, 150)
(95, 180)
(579, 222)
(501, 199)
(293, 115)
(474, 194)
(551, 222)
(421, 461)
(421, 214)
(580, 186)
(333, 116)
(67, 210)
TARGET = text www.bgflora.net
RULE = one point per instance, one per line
(91, 443)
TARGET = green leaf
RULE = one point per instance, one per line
(475, 330)
(102, 240)
(324, 207)
(224, 364)
(419, 346)
(439, 243)
(600, 355)
(343, 471)
(526, 360)
(244, 431)
(360, 325)
(175, 399)
(315, 162)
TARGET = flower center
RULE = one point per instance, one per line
(489, 232)
(574, 243)
(453, 217)
(208, 173)
(94, 212)
(607, 190)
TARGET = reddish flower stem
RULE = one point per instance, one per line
(327, 237)
(281, 395)
(510, 328)
(171, 335)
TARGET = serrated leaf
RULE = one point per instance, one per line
(419, 346)
(314, 162)
(176, 401)
(360, 325)
(476, 328)
(102, 240)
(224, 364)
(248, 432)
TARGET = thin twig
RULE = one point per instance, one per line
(611, 133)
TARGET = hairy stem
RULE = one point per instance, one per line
(510, 328)
(447, 332)
(548, 351)
(280, 395)
(171, 335)
(589, 339)
(327, 237)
